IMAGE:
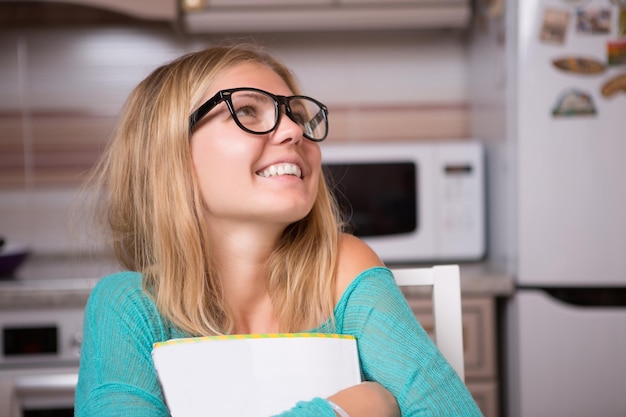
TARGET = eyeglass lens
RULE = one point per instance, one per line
(258, 112)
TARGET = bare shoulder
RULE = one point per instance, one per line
(355, 256)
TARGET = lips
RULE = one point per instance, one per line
(281, 169)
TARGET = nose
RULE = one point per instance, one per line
(287, 131)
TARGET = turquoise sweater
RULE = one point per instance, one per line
(117, 376)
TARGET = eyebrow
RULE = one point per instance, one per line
(254, 95)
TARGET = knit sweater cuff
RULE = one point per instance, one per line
(317, 407)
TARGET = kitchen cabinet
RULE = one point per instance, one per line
(165, 10)
(145, 9)
(263, 3)
(479, 345)
(250, 16)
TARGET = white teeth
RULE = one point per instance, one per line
(281, 169)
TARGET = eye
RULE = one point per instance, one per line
(251, 107)
(299, 114)
(299, 118)
(247, 111)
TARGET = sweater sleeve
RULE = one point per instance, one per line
(317, 407)
(397, 352)
(117, 376)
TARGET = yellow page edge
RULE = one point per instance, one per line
(252, 336)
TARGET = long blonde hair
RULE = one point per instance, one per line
(151, 205)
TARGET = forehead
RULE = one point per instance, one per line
(250, 74)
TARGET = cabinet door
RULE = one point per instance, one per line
(485, 394)
(479, 350)
(146, 9)
(479, 338)
(478, 332)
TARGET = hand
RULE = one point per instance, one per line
(368, 399)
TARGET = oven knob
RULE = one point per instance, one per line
(75, 344)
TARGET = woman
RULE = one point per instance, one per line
(213, 195)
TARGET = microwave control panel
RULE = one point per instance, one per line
(461, 195)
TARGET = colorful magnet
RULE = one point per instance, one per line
(574, 102)
(554, 26)
(614, 85)
(593, 21)
(580, 65)
(616, 51)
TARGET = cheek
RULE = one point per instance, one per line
(221, 164)
(200, 160)
(315, 160)
(209, 154)
(205, 165)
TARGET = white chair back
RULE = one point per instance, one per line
(446, 294)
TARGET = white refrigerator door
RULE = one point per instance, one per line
(571, 183)
(566, 361)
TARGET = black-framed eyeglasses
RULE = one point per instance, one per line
(258, 112)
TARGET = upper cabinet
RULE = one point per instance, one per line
(145, 9)
(220, 16)
(162, 10)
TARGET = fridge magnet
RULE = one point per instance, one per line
(593, 21)
(615, 85)
(554, 26)
(621, 21)
(616, 51)
(580, 65)
(574, 102)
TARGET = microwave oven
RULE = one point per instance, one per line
(412, 202)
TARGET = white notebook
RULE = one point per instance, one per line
(253, 375)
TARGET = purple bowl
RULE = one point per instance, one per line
(10, 260)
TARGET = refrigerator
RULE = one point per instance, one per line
(547, 87)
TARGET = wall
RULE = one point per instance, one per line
(62, 89)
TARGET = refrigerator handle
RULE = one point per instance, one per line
(587, 296)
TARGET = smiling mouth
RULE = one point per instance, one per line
(281, 169)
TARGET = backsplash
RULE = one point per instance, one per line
(62, 89)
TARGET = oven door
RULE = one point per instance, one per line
(38, 392)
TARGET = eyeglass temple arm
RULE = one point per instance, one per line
(201, 111)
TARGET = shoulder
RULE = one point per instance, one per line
(120, 294)
(119, 304)
(120, 284)
(355, 256)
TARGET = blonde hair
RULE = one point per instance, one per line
(151, 205)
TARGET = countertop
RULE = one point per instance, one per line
(56, 281)
(66, 282)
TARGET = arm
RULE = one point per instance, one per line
(368, 399)
(396, 352)
(117, 376)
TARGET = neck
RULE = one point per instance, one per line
(241, 258)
